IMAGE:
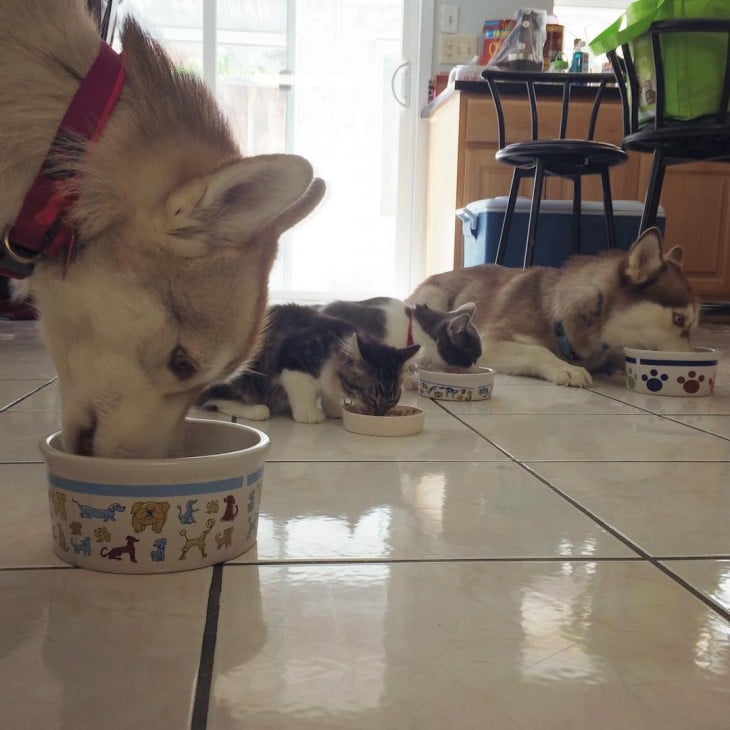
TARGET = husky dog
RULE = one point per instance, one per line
(560, 324)
(175, 231)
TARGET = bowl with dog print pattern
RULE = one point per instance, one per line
(668, 372)
(158, 515)
(456, 386)
(398, 421)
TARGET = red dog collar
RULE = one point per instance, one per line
(39, 230)
(409, 337)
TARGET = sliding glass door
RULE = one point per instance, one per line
(326, 79)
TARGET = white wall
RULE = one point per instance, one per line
(472, 14)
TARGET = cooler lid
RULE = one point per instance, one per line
(588, 207)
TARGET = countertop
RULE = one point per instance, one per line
(481, 87)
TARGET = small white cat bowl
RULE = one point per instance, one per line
(664, 372)
(398, 421)
(159, 515)
(442, 385)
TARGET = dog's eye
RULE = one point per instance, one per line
(181, 364)
(678, 319)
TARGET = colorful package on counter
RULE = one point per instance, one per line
(493, 32)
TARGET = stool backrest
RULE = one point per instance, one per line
(624, 69)
(592, 84)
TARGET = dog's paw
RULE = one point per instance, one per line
(571, 375)
(309, 415)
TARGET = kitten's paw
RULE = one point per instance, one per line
(239, 410)
(309, 415)
(410, 381)
(571, 375)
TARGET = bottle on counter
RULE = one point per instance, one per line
(579, 62)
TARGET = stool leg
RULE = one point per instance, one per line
(507, 222)
(534, 213)
(653, 192)
(608, 209)
(577, 212)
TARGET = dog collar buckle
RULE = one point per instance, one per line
(17, 261)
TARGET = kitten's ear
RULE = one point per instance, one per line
(406, 353)
(466, 308)
(457, 326)
(351, 347)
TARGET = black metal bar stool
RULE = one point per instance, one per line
(559, 156)
(673, 141)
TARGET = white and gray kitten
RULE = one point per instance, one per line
(307, 357)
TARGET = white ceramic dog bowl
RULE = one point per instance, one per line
(399, 421)
(159, 515)
(664, 372)
(441, 385)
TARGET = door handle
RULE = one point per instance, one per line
(286, 78)
(405, 67)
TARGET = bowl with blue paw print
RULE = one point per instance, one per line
(673, 373)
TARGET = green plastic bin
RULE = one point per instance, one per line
(693, 62)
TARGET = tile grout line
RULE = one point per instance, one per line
(633, 546)
(204, 678)
(672, 417)
(717, 608)
(3, 409)
(300, 562)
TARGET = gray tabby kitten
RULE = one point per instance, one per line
(305, 357)
(448, 340)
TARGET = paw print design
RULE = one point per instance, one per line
(655, 380)
(630, 378)
(691, 384)
(75, 528)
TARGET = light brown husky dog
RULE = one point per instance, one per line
(175, 231)
(560, 324)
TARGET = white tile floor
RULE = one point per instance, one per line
(551, 558)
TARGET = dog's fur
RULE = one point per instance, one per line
(604, 303)
(175, 231)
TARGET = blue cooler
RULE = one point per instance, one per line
(482, 221)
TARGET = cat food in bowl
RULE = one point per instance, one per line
(158, 515)
(466, 386)
(664, 372)
(398, 421)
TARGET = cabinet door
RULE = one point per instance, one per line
(696, 200)
(484, 177)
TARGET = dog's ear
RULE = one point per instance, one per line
(645, 258)
(675, 255)
(164, 506)
(240, 199)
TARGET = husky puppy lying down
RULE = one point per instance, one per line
(561, 324)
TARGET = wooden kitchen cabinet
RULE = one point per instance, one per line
(462, 169)
(696, 199)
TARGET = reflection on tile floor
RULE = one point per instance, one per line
(547, 556)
